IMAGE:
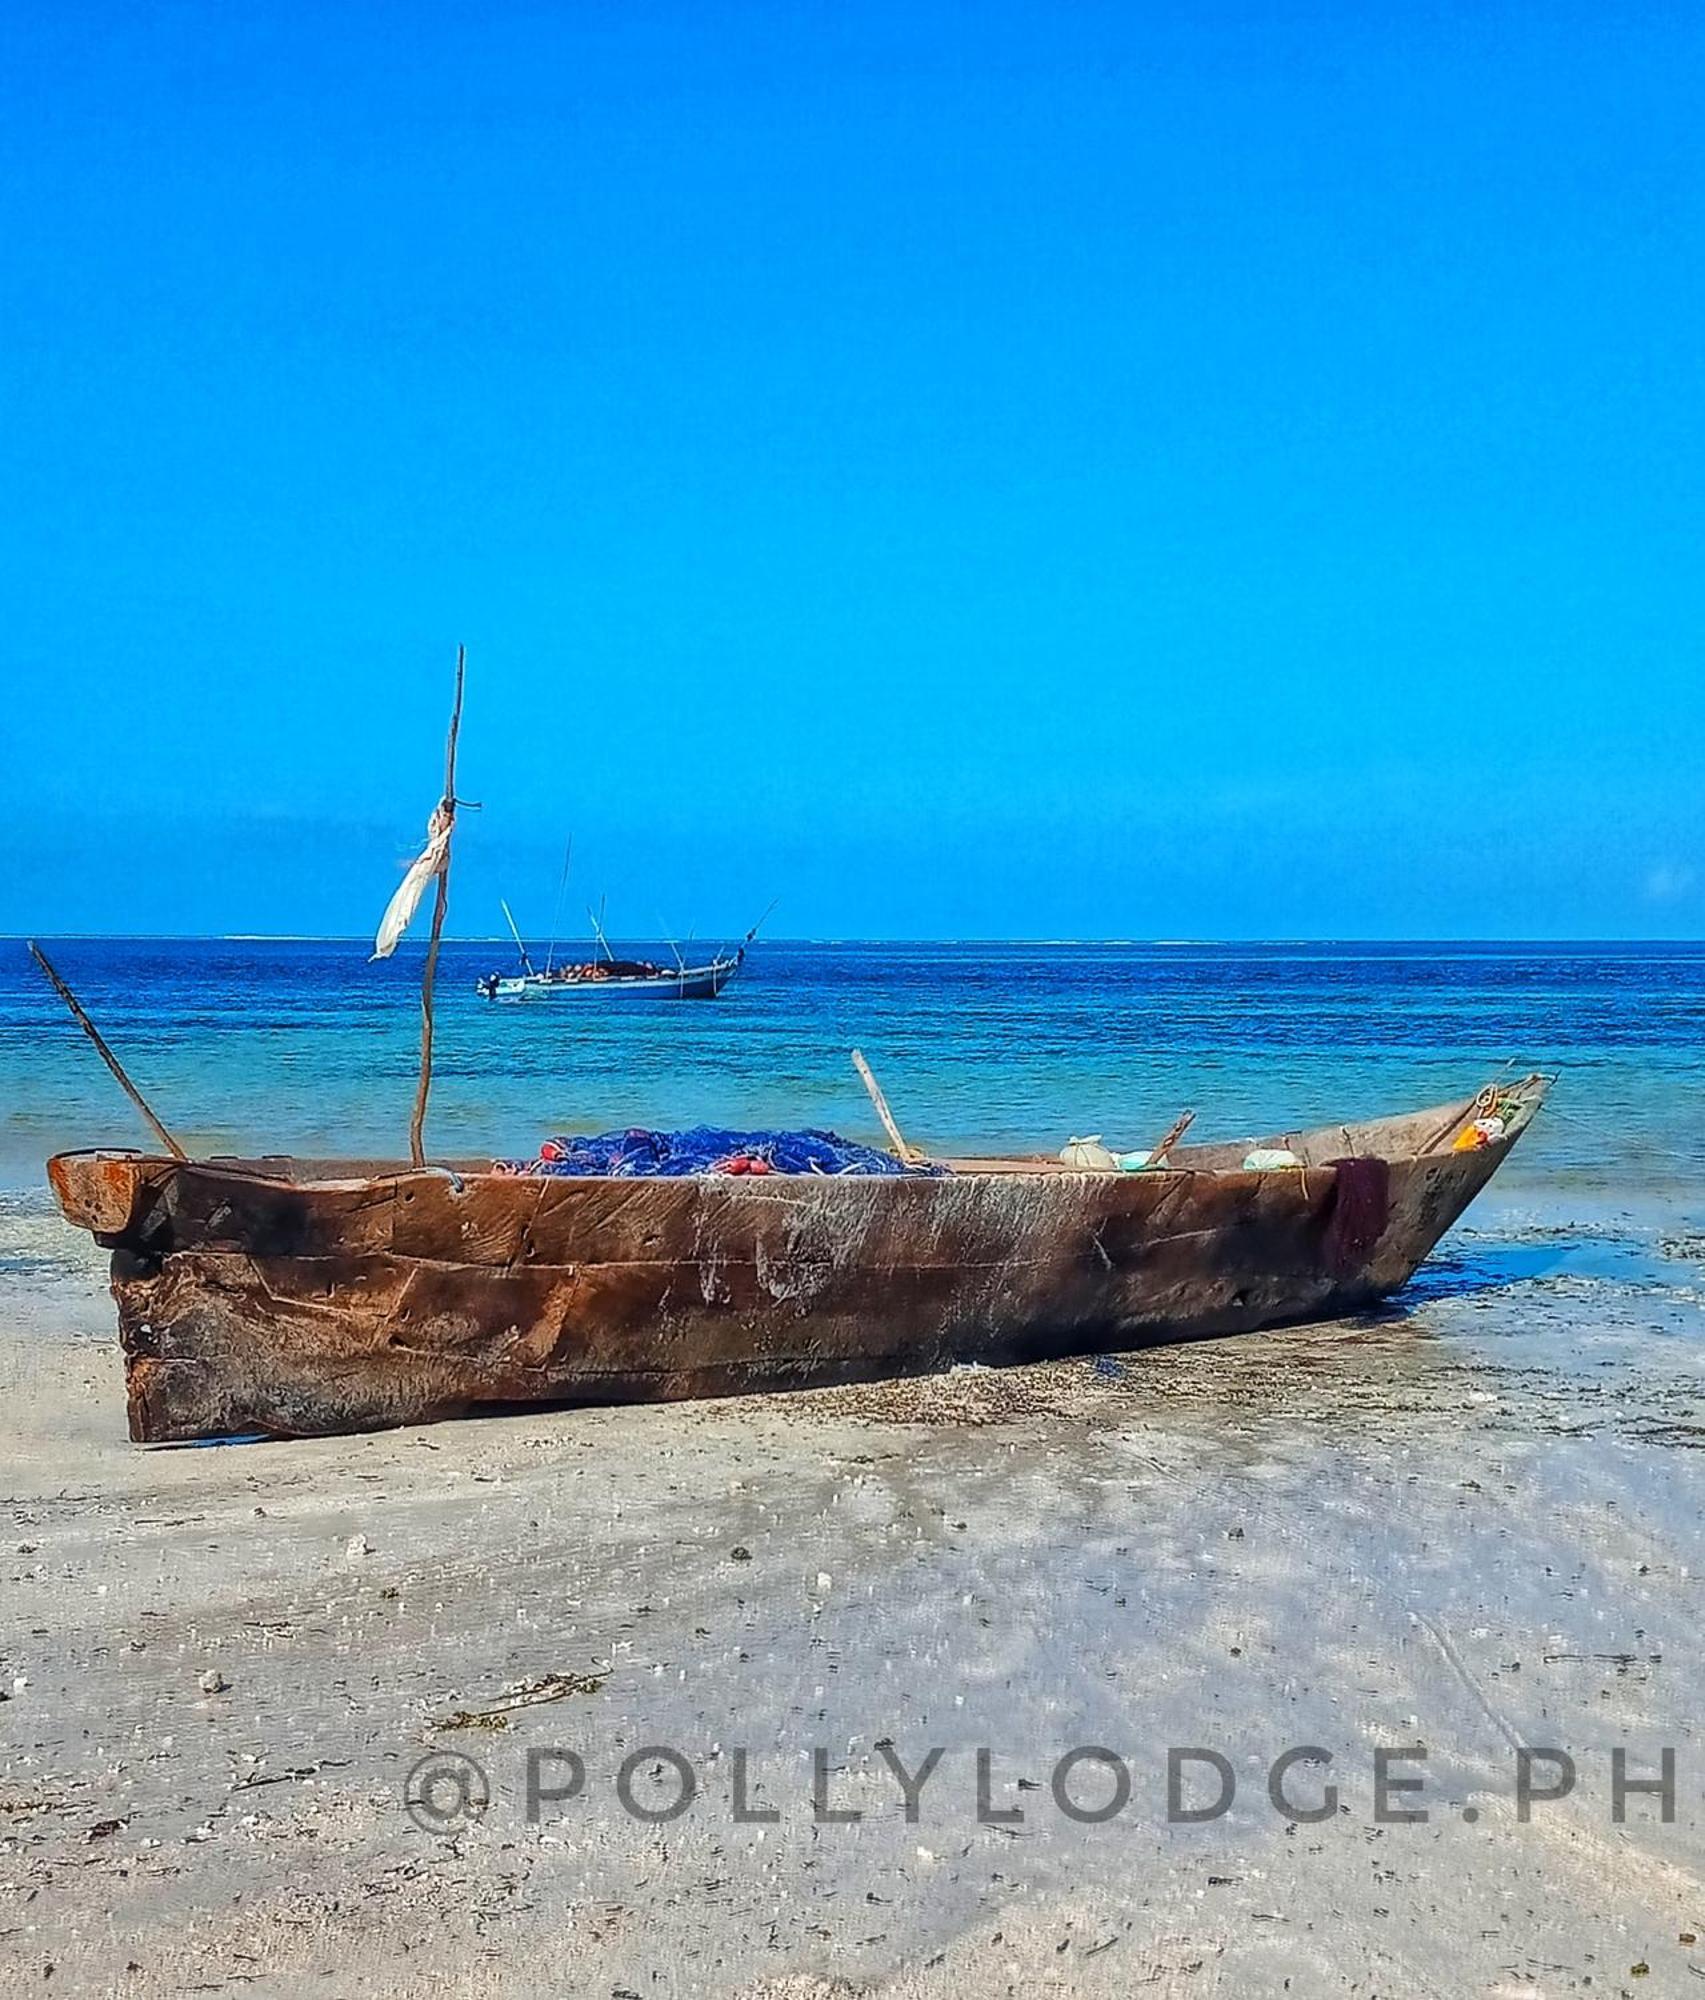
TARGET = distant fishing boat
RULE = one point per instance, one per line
(610, 977)
(613, 978)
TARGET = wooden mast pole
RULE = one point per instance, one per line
(417, 1124)
(106, 1055)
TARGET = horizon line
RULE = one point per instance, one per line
(710, 937)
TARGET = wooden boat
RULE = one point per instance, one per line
(617, 978)
(288, 1298)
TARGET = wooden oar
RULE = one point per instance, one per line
(907, 1152)
(106, 1055)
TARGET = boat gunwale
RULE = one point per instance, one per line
(275, 1170)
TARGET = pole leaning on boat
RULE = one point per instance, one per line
(106, 1055)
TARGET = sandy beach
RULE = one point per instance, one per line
(1471, 1525)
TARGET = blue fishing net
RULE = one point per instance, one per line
(639, 1154)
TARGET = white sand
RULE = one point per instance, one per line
(1476, 1527)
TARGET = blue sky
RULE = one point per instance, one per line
(999, 470)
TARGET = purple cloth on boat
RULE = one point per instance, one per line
(639, 1154)
(1361, 1208)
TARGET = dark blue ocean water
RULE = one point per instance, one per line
(303, 1046)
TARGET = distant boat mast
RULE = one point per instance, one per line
(556, 915)
(509, 918)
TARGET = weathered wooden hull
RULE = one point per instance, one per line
(290, 1299)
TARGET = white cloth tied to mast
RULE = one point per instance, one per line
(431, 861)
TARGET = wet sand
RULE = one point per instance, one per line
(1472, 1524)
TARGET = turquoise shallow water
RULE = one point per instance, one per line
(303, 1046)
